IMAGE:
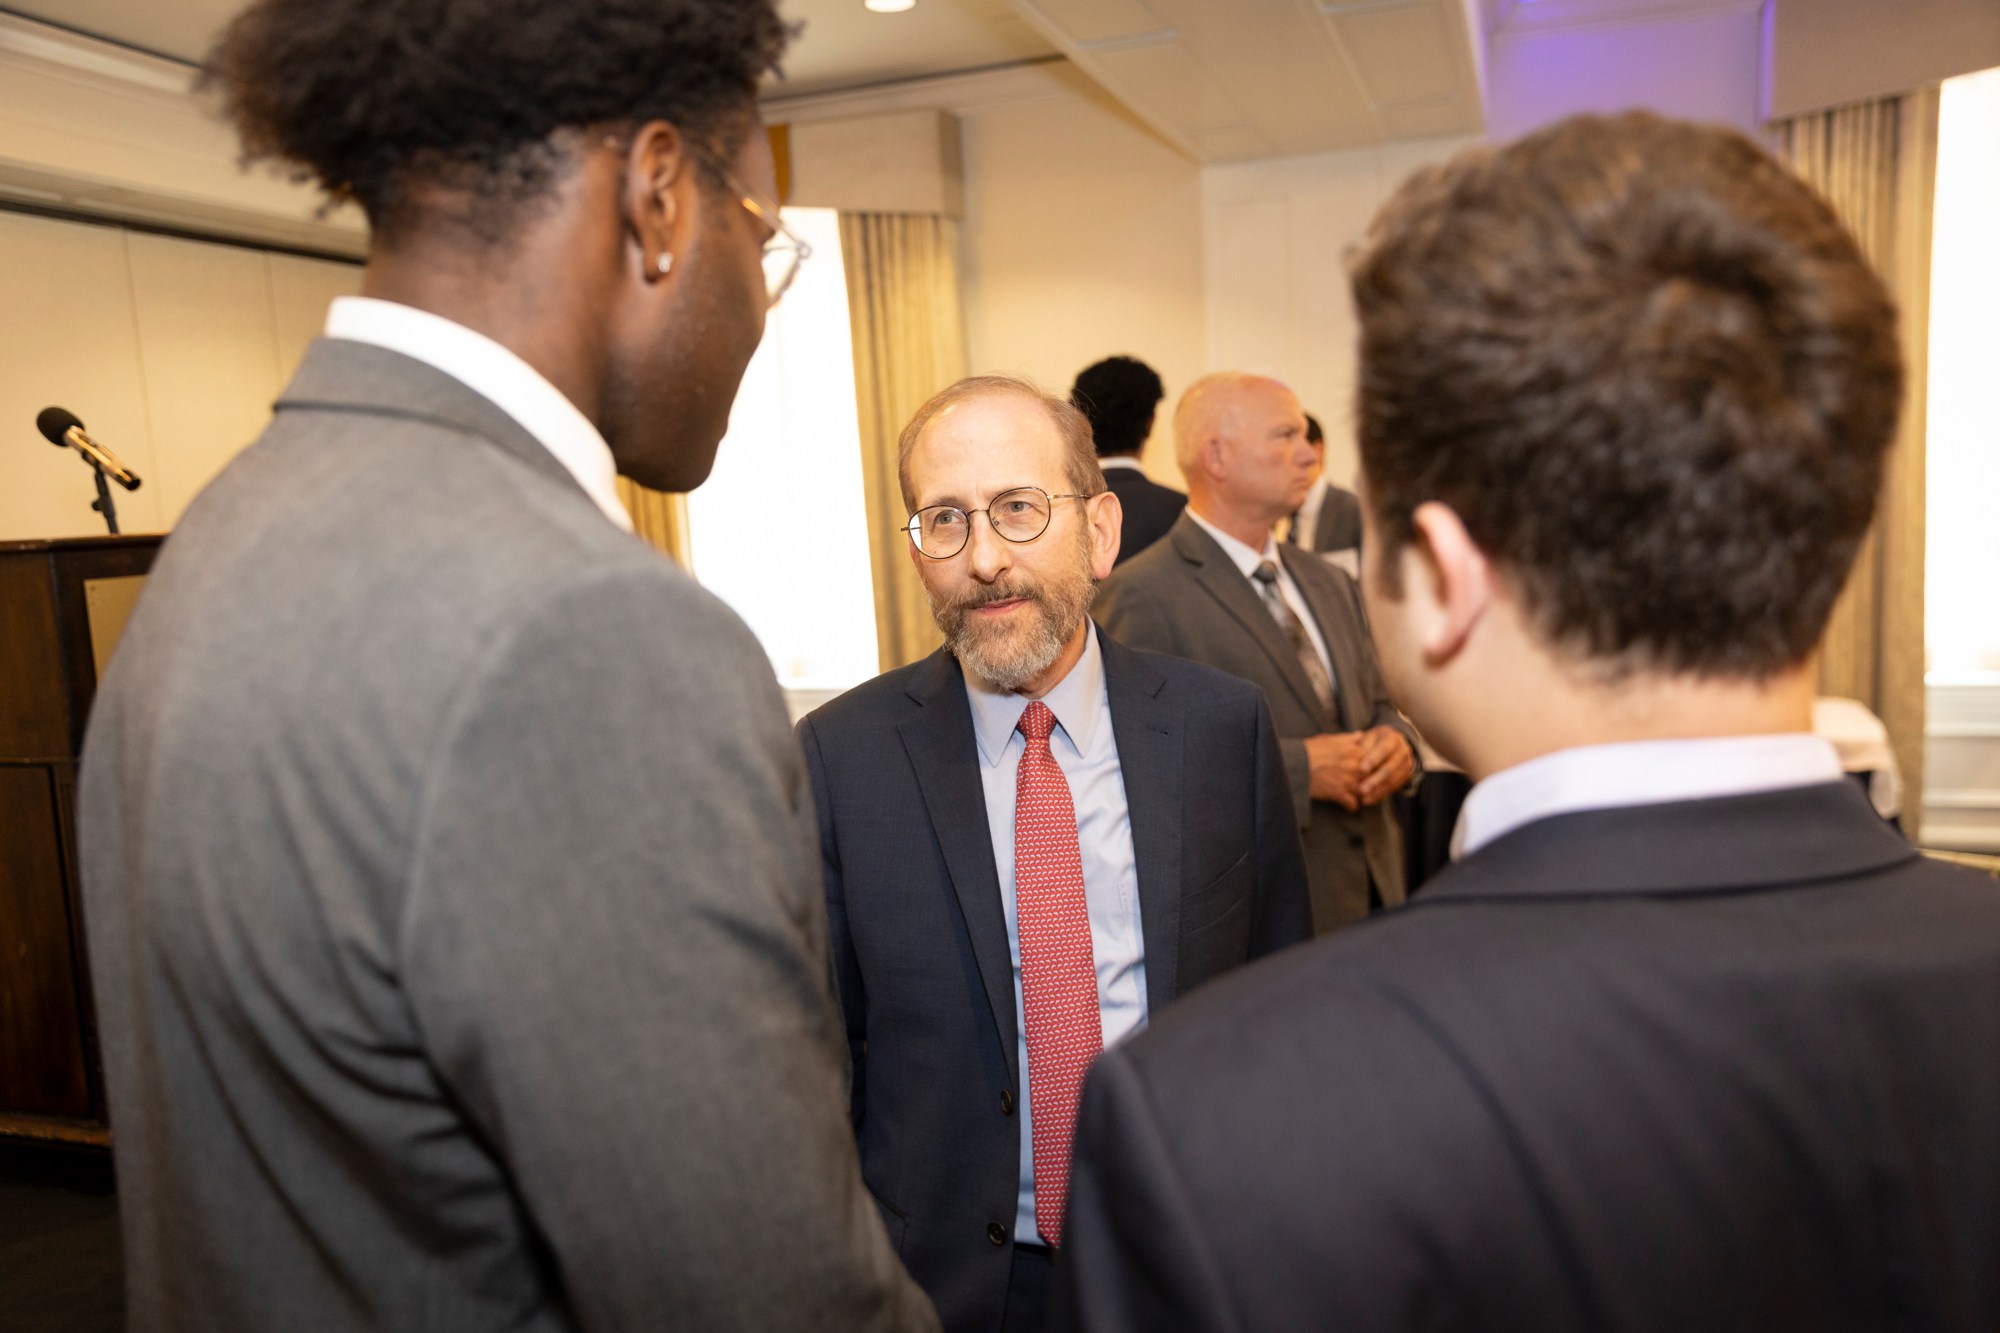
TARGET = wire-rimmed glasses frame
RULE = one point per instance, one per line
(940, 532)
(784, 252)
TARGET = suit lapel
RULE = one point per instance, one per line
(1343, 632)
(1150, 760)
(945, 754)
(1218, 575)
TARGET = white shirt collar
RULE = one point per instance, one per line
(1606, 777)
(1076, 701)
(1120, 460)
(1246, 557)
(1309, 510)
(496, 374)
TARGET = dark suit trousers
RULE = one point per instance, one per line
(1028, 1286)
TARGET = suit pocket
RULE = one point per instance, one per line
(1221, 897)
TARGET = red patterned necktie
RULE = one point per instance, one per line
(1058, 971)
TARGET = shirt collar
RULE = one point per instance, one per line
(496, 374)
(1076, 700)
(1603, 777)
(1120, 460)
(1246, 557)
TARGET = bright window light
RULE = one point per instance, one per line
(779, 530)
(1962, 546)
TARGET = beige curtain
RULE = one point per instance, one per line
(1876, 162)
(909, 342)
(658, 517)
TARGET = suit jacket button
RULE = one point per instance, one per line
(1006, 1101)
(996, 1233)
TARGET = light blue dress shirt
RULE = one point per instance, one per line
(1087, 752)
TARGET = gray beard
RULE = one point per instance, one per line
(1008, 659)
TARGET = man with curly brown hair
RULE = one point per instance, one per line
(452, 891)
(1686, 1038)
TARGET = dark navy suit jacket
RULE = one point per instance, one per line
(1724, 1064)
(920, 942)
(1150, 509)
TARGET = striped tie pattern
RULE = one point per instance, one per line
(1266, 575)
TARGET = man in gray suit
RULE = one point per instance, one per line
(1219, 590)
(450, 869)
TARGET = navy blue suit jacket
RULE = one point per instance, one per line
(1721, 1064)
(920, 942)
(1150, 509)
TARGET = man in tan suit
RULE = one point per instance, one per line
(1220, 590)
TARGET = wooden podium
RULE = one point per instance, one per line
(62, 606)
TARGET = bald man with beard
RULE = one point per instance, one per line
(1219, 589)
(1034, 840)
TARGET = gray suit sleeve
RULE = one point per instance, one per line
(615, 949)
(1384, 713)
(849, 988)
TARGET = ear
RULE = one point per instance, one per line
(1448, 581)
(1213, 457)
(1106, 516)
(660, 200)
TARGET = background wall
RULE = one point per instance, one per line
(170, 351)
(1276, 234)
(1083, 238)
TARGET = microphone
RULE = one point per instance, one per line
(64, 431)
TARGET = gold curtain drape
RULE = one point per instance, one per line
(1876, 163)
(660, 518)
(909, 342)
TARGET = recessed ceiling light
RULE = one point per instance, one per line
(890, 6)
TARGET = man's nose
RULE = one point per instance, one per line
(987, 551)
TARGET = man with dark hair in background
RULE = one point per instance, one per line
(1119, 396)
(455, 921)
(1687, 1038)
(1328, 521)
(1035, 839)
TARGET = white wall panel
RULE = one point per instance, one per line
(1276, 240)
(69, 339)
(301, 290)
(208, 349)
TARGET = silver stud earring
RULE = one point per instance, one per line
(665, 263)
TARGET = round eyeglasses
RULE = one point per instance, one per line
(1020, 515)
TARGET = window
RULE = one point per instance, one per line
(1962, 548)
(779, 530)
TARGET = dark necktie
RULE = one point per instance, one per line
(1058, 967)
(1266, 575)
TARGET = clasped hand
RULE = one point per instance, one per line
(1354, 769)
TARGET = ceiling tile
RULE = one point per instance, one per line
(1403, 52)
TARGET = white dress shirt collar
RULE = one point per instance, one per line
(496, 374)
(1076, 700)
(1307, 523)
(1120, 460)
(1605, 777)
(1245, 556)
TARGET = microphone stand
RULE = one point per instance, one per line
(103, 503)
